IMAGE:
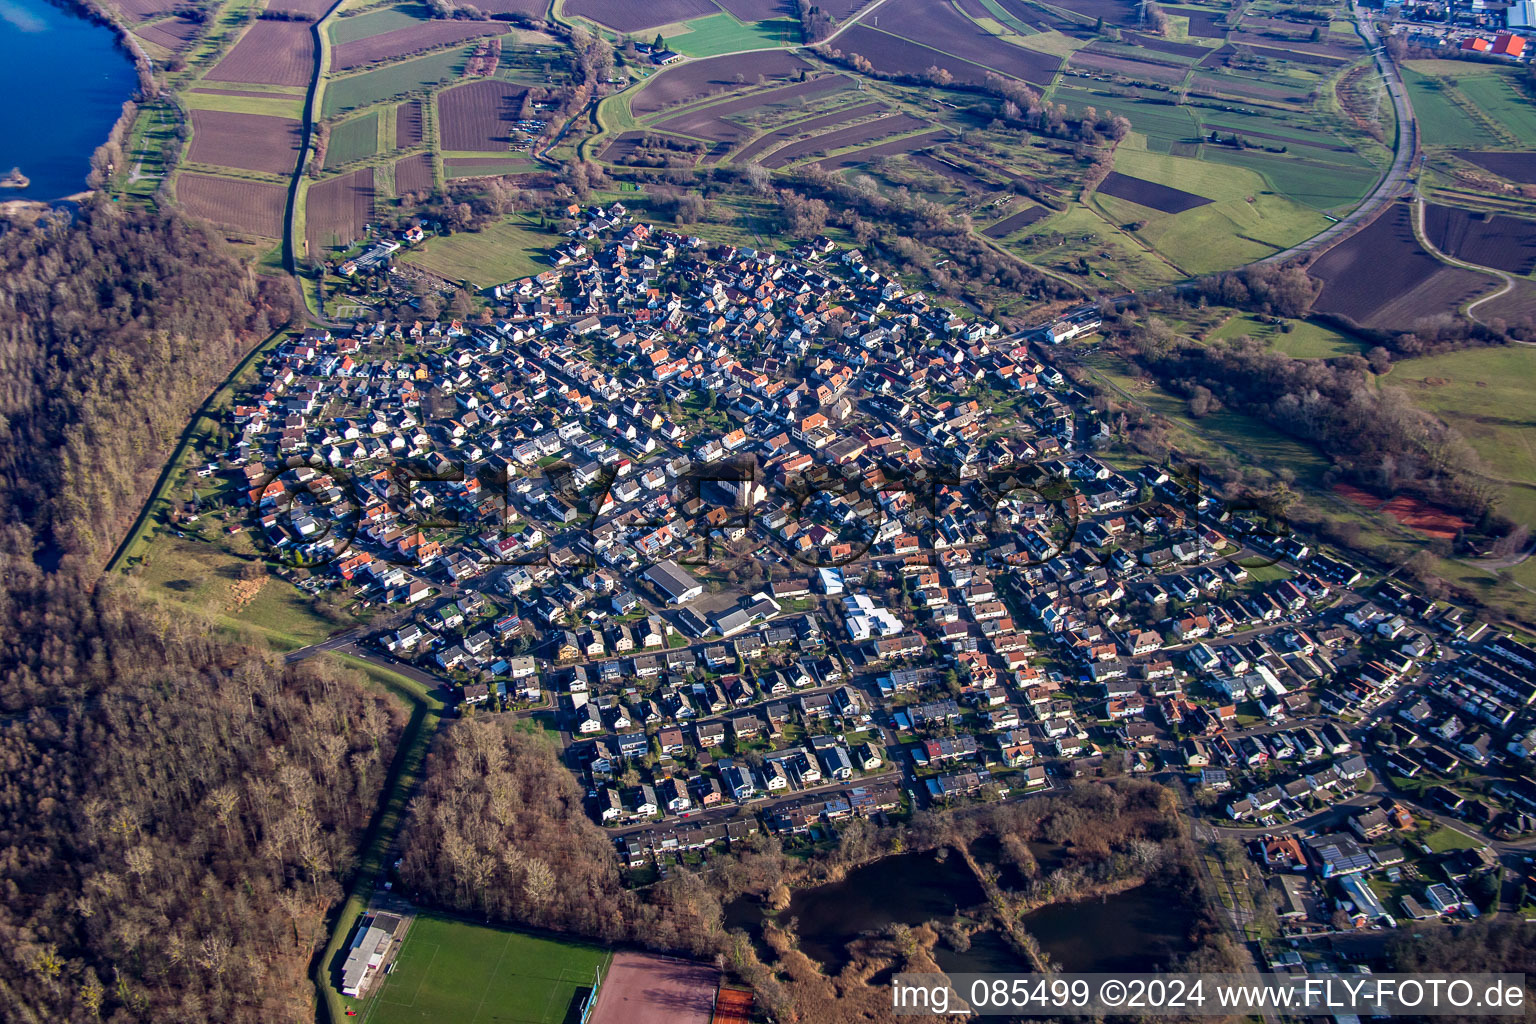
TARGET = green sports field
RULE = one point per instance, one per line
(455, 971)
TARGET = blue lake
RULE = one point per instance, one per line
(65, 80)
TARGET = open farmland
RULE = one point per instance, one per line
(353, 91)
(349, 28)
(812, 125)
(841, 138)
(1016, 221)
(354, 140)
(172, 33)
(1489, 240)
(709, 122)
(633, 16)
(720, 33)
(478, 117)
(414, 174)
(409, 40)
(337, 209)
(252, 142)
(894, 55)
(270, 53)
(138, 10)
(487, 166)
(1138, 70)
(252, 206)
(1199, 215)
(945, 167)
(530, 8)
(1162, 198)
(1381, 276)
(896, 147)
(695, 80)
(938, 26)
(408, 128)
(1519, 167)
(307, 8)
(449, 970)
(1442, 120)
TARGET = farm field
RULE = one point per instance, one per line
(1506, 243)
(1162, 198)
(408, 40)
(684, 83)
(270, 53)
(413, 174)
(500, 253)
(336, 210)
(531, 8)
(1519, 167)
(353, 140)
(853, 135)
(720, 33)
(408, 126)
(478, 117)
(172, 33)
(252, 142)
(475, 167)
(710, 122)
(937, 26)
(1382, 277)
(1219, 218)
(252, 206)
(1442, 122)
(897, 56)
(448, 970)
(1017, 220)
(350, 29)
(798, 128)
(1485, 393)
(896, 147)
(354, 91)
(273, 104)
(1299, 339)
(628, 16)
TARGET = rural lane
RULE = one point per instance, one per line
(1396, 181)
(1444, 257)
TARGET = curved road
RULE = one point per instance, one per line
(1395, 183)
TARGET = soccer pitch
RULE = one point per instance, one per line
(450, 970)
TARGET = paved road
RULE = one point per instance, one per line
(1395, 183)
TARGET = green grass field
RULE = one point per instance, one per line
(720, 33)
(357, 139)
(1441, 121)
(361, 26)
(1304, 340)
(288, 107)
(354, 91)
(1496, 96)
(1245, 222)
(1485, 393)
(455, 971)
(500, 253)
